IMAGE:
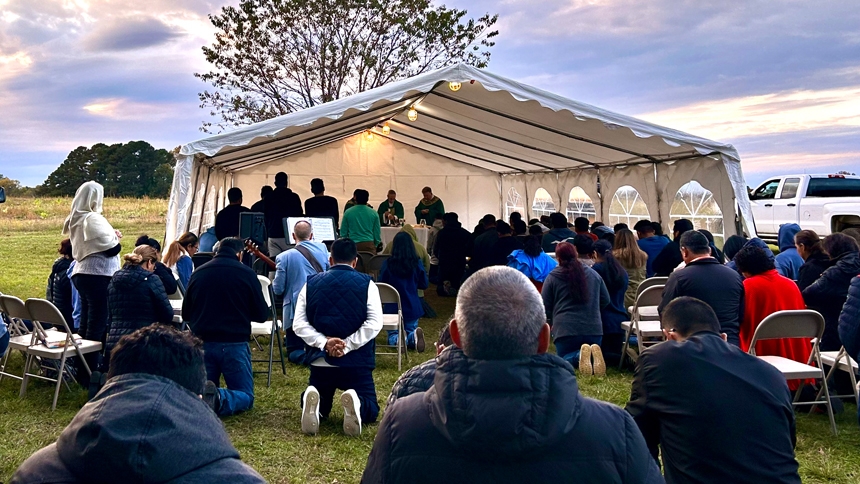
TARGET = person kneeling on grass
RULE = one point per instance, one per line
(338, 315)
(139, 426)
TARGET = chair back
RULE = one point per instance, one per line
(44, 311)
(388, 295)
(651, 296)
(363, 261)
(266, 286)
(201, 258)
(16, 313)
(179, 293)
(651, 281)
(375, 265)
(796, 323)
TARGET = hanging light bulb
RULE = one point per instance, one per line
(368, 135)
(386, 129)
(412, 114)
(454, 86)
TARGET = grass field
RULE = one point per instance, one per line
(269, 436)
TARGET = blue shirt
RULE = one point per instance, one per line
(652, 246)
(291, 273)
(76, 298)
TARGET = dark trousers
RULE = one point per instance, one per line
(328, 379)
(233, 361)
(568, 347)
(93, 291)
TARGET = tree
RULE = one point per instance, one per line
(14, 188)
(273, 57)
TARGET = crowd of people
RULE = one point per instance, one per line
(495, 402)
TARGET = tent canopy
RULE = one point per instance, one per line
(486, 146)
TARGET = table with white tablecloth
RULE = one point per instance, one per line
(388, 234)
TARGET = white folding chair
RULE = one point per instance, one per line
(800, 323)
(19, 334)
(176, 302)
(270, 328)
(651, 281)
(843, 361)
(57, 346)
(641, 328)
(392, 322)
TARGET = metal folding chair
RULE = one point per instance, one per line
(651, 281)
(392, 322)
(363, 261)
(843, 361)
(800, 323)
(56, 346)
(19, 334)
(270, 328)
(375, 265)
(642, 328)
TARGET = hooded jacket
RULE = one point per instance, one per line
(535, 268)
(88, 231)
(140, 428)
(136, 299)
(849, 320)
(520, 420)
(828, 294)
(755, 242)
(788, 261)
(812, 268)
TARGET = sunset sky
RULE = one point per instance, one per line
(779, 80)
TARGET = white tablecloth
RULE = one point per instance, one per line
(388, 234)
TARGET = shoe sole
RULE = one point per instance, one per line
(585, 367)
(420, 344)
(599, 364)
(310, 416)
(351, 421)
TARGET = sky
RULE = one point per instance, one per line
(779, 80)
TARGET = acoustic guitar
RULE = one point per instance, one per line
(252, 248)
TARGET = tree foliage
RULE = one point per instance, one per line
(132, 169)
(14, 188)
(273, 57)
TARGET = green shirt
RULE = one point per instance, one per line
(361, 224)
(434, 207)
(383, 207)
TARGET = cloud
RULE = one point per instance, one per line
(121, 34)
(128, 110)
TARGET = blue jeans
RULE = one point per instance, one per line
(410, 327)
(4, 342)
(568, 347)
(233, 361)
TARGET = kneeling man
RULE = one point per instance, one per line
(338, 315)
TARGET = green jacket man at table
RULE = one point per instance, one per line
(361, 224)
(390, 210)
(428, 207)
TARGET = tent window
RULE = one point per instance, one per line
(579, 204)
(696, 203)
(198, 209)
(542, 204)
(627, 207)
(209, 211)
(514, 203)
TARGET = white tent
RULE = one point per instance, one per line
(487, 147)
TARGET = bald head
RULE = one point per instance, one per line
(302, 231)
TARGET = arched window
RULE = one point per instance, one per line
(579, 204)
(542, 204)
(514, 203)
(696, 203)
(627, 207)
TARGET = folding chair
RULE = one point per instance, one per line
(641, 328)
(201, 258)
(651, 281)
(270, 328)
(375, 265)
(19, 334)
(392, 322)
(65, 344)
(363, 261)
(800, 323)
(176, 302)
(843, 361)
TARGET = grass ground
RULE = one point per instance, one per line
(269, 436)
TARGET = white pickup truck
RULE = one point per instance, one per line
(824, 203)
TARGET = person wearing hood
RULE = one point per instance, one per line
(502, 409)
(136, 296)
(827, 295)
(140, 426)
(756, 242)
(423, 256)
(788, 261)
(559, 233)
(428, 207)
(815, 261)
(280, 204)
(453, 244)
(95, 246)
(732, 246)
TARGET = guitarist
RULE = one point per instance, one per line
(293, 267)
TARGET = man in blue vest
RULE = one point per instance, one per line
(338, 314)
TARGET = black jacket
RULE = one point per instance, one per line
(668, 259)
(719, 414)
(140, 428)
(453, 243)
(136, 299)
(59, 290)
(812, 268)
(282, 203)
(827, 295)
(516, 421)
(417, 379)
(722, 288)
(482, 249)
(227, 221)
(849, 320)
(222, 299)
(503, 248)
(168, 280)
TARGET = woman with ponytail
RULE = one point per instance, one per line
(136, 297)
(573, 296)
(178, 256)
(614, 313)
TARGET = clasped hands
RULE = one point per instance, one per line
(334, 347)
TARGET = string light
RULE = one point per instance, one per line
(386, 129)
(412, 114)
(454, 86)
(368, 135)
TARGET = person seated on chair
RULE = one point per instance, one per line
(222, 299)
(59, 288)
(419, 378)
(340, 340)
(178, 257)
(164, 272)
(151, 404)
(501, 408)
(294, 266)
(362, 224)
(717, 413)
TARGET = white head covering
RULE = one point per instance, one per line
(86, 228)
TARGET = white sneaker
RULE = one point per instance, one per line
(311, 411)
(351, 413)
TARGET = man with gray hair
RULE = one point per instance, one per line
(293, 267)
(501, 409)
